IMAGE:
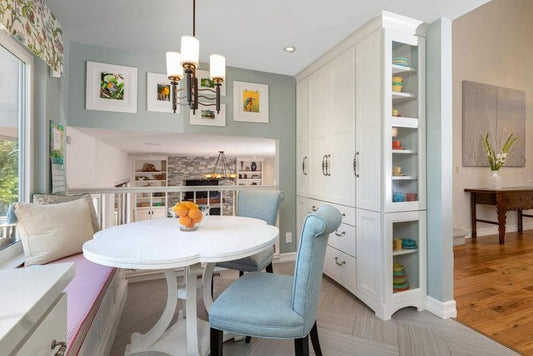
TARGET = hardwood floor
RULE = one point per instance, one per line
(346, 326)
(493, 287)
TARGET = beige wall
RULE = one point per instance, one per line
(493, 45)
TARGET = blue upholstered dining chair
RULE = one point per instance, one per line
(259, 204)
(275, 306)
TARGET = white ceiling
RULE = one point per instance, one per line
(250, 34)
(181, 144)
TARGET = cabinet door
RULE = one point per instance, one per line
(369, 256)
(319, 87)
(368, 122)
(53, 327)
(302, 137)
(341, 129)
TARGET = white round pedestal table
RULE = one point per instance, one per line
(159, 244)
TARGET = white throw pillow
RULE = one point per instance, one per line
(50, 232)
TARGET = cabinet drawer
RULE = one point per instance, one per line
(348, 213)
(53, 327)
(341, 268)
(344, 239)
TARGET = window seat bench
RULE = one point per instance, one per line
(95, 300)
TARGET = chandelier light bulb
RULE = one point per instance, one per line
(217, 66)
(174, 68)
(190, 50)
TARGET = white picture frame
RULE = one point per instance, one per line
(155, 99)
(204, 82)
(250, 102)
(121, 94)
(199, 117)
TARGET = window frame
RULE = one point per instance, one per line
(13, 256)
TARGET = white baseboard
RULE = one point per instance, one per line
(285, 257)
(443, 310)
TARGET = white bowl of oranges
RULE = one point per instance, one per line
(188, 214)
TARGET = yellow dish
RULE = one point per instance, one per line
(397, 79)
(397, 87)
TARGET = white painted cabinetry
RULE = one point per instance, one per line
(150, 171)
(34, 309)
(355, 151)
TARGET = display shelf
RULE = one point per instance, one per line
(404, 252)
(248, 167)
(402, 70)
(408, 122)
(403, 151)
(399, 97)
(404, 178)
(150, 205)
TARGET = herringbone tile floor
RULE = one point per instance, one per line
(346, 326)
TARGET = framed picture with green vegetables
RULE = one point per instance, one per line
(111, 87)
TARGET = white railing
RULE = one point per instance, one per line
(116, 206)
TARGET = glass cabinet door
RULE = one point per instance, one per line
(405, 122)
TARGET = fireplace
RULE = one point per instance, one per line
(204, 197)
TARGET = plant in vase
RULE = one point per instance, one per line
(497, 160)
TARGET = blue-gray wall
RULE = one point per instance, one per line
(282, 113)
(49, 103)
(439, 161)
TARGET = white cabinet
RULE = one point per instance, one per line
(250, 171)
(302, 135)
(390, 87)
(34, 308)
(361, 147)
(150, 171)
(331, 131)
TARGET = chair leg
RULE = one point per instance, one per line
(269, 268)
(216, 337)
(314, 340)
(301, 346)
(241, 273)
(247, 339)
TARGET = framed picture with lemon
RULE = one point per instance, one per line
(250, 102)
(111, 87)
(158, 93)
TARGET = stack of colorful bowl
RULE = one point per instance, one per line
(400, 61)
(397, 83)
(399, 278)
(408, 244)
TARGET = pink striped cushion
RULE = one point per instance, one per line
(84, 296)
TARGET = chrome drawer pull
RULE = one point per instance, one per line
(62, 347)
(341, 234)
(339, 263)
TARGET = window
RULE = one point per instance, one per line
(15, 123)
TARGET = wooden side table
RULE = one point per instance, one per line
(505, 199)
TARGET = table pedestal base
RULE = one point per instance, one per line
(188, 336)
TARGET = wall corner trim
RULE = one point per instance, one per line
(443, 310)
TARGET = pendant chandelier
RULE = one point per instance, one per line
(222, 172)
(187, 62)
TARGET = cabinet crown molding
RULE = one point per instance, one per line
(386, 20)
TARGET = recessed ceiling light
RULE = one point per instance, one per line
(289, 49)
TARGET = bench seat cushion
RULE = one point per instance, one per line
(84, 296)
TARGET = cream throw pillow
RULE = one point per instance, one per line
(50, 232)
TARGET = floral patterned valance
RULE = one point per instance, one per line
(33, 25)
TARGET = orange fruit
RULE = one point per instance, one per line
(181, 210)
(186, 221)
(195, 215)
